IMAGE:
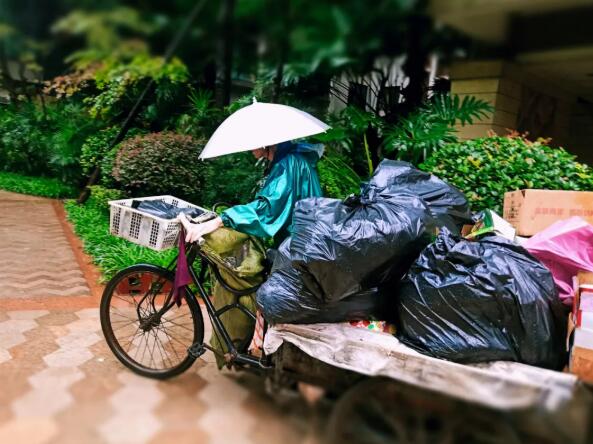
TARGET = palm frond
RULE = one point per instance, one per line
(417, 135)
(452, 109)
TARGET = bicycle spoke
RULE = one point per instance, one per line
(151, 352)
(142, 311)
(172, 346)
(120, 323)
(164, 351)
(178, 341)
(118, 313)
(132, 340)
(179, 325)
(123, 326)
(144, 351)
(180, 316)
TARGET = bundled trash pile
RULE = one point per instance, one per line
(394, 252)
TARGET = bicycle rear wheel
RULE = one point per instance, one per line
(149, 341)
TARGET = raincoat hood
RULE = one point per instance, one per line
(311, 152)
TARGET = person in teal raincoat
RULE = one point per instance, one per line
(292, 177)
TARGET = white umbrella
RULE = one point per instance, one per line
(259, 125)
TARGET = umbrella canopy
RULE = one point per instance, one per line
(259, 125)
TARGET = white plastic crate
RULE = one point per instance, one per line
(145, 229)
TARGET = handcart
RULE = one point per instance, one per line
(385, 391)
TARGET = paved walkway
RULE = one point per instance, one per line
(59, 383)
(36, 259)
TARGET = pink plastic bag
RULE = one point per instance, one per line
(564, 248)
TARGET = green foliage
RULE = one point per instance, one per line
(23, 147)
(418, 135)
(203, 117)
(103, 32)
(160, 163)
(431, 127)
(70, 127)
(348, 136)
(348, 127)
(46, 142)
(35, 186)
(232, 179)
(451, 109)
(484, 169)
(100, 197)
(95, 151)
(109, 253)
(95, 147)
(120, 83)
(337, 178)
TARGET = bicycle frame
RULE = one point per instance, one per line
(233, 356)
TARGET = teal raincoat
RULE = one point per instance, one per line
(293, 176)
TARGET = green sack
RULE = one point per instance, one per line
(240, 260)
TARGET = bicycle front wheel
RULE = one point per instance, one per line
(145, 338)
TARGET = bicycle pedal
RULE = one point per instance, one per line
(196, 350)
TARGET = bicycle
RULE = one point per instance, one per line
(155, 337)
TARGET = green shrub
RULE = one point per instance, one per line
(94, 148)
(95, 151)
(118, 84)
(36, 186)
(100, 197)
(484, 169)
(160, 163)
(44, 141)
(23, 141)
(232, 179)
(111, 254)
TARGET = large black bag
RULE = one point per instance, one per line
(343, 248)
(283, 298)
(447, 204)
(482, 301)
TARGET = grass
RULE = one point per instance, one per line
(36, 186)
(110, 253)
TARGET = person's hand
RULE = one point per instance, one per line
(196, 232)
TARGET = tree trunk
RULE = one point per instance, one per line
(42, 100)
(210, 77)
(226, 52)
(285, 15)
(416, 57)
(7, 80)
(24, 82)
(278, 78)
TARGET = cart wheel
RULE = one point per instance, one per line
(378, 410)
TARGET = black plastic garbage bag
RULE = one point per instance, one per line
(283, 298)
(447, 204)
(482, 301)
(343, 248)
(163, 209)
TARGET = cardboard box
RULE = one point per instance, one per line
(531, 211)
(580, 328)
(581, 363)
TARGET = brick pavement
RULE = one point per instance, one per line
(36, 258)
(59, 383)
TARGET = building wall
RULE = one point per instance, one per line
(524, 102)
(581, 132)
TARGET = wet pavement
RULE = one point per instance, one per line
(60, 383)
